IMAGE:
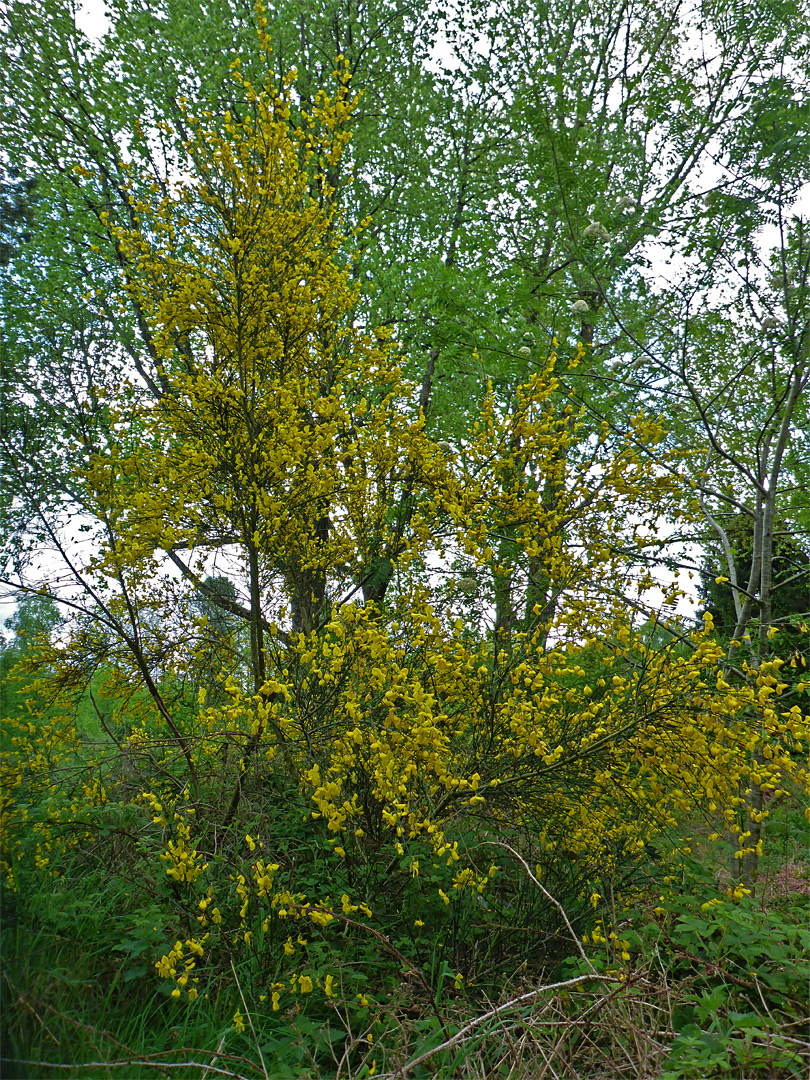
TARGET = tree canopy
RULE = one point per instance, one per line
(360, 436)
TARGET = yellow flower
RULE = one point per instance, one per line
(327, 986)
(321, 918)
(711, 903)
(238, 1022)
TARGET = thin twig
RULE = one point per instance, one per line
(140, 1062)
(215, 1058)
(250, 1021)
(522, 999)
(27, 999)
(547, 894)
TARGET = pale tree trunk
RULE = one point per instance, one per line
(749, 863)
(755, 599)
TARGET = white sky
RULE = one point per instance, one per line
(91, 19)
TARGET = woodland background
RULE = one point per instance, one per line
(406, 509)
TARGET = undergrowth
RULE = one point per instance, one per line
(686, 983)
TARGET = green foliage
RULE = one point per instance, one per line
(747, 1004)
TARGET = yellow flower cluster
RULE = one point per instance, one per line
(184, 860)
(187, 955)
